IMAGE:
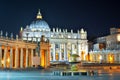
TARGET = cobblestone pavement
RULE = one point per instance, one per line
(44, 75)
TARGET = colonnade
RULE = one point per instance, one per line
(15, 57)
(105, 57)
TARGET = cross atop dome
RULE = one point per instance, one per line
(39, 16)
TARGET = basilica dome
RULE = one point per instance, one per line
(39, 24)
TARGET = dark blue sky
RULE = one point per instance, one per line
(95, 16)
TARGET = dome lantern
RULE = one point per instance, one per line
(39, 16)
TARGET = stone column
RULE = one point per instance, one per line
(54, 52)
(5, 52)
(60, 55)
(16, 57)
(0, 56)
(72, 49)
(21, 58)
(26, 57)
(78, 50)
(31, 57)
(11, 57)
(65, 52)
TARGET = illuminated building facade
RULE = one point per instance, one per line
(16, 53)
(107, 48)
(63, 43)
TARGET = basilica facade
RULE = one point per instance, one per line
(63, 42)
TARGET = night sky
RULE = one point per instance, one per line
(95, 16)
